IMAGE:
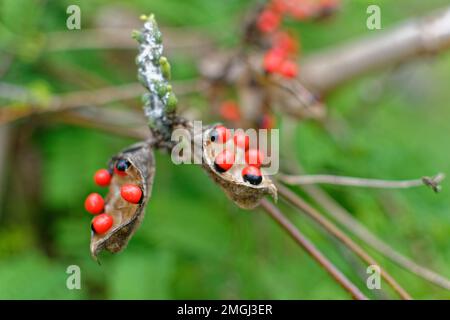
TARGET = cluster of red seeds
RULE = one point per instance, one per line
(95, 204)
(279, 58)
(226, 158)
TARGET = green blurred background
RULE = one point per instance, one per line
(194, 243)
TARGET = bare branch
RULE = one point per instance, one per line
(336, 232)
(107, 120)
(78, 99)
(278, 216)
(355, 227)
(420, 37)
(190, 41)
(433, 182)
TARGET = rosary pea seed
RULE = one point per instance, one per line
(131, 193)
(102, 177)
(94, 203)
(102, 223)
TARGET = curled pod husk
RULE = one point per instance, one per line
(140, 170)
(243, 193)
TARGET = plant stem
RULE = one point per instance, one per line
(432, 182)
(336, 232)
(278, 216)
(354, 226)
(78, 99)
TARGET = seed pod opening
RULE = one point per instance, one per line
(246, 194)
(126, 216)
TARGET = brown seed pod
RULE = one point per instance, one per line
(245, 194)
(137, 166)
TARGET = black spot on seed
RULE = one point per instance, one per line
(123, 165)
(219, 168)
(252, 179)
(214, 136)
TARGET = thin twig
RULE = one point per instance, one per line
(297, 100)
(190, 41)
(356, 228)
(278, 216)
(432, 182)
(336, 232)
(107, 123)
(83, 98)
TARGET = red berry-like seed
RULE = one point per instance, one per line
(102, 223)
(102, 177)
(273, 60)
(279, 6)
(120, 173)
(268, 21)
(254, 157)
(288, 69)
(267, 122)
(229, 110)
(252, 175)
(251, 170)
(94, 203)
(284, 42)
(220, 134)
(241, 140)
(224, 161)
(303, 10)
(131, 193)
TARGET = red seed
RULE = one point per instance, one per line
(285, 42)
(224, 161)
(252, 175)
(229, 110)
(301, 10)
(251, 170)
(94, 203)
(241, 140)
(220, 134)
(279, 6)
(273, 60)
(268, 21)
(288, 69)
(267, 121)
(254, 157)
(102, 177)
(102, 223)
(131, 193)
(120, 173)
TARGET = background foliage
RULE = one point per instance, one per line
(194, 243)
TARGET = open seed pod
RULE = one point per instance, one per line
(133, 166)
(246, 190)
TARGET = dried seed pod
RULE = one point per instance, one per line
(126, 215)
(245, 194)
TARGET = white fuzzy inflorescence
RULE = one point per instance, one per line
(154, 73)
